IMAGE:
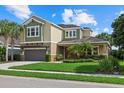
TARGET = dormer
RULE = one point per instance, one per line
(86, 32)
(71, 31)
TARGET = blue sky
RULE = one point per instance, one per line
(98, 18)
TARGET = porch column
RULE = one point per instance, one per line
(22, 55)
(98, 50)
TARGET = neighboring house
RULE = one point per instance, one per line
(42, 37)
(16, 49)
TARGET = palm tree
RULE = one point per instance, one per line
(14, 35)
(78, 49)
(10, 31)
(5, 32)
(75, 49)
(85, 46)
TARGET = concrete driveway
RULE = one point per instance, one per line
(26, 82)
(5, 66)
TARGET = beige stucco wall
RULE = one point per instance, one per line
(56, 34)
(53, 50)
(104, 49)
(46, 32)
(86, 33)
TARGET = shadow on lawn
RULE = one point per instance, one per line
(86, 69)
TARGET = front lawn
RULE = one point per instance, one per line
(86, 67)
(112, 80)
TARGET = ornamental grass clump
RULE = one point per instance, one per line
(109, 65)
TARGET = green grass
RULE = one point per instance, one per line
(86, 67)
(111, 80)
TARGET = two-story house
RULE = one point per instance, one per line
(42, 37)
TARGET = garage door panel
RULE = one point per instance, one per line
(35, 55)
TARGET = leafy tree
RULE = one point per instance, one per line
(106, 36)
(14, 35)
(5, 27)
(10, 31)
(75, 49)
(85, 46)
(118, 31)
(78, 49)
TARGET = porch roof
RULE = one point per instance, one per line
(85, 39)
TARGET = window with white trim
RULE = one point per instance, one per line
(33, 31)
(70, 34)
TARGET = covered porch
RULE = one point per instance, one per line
(96, 50)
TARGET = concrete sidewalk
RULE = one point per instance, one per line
(7, 65)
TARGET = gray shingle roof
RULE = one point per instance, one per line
(68, 25)
(85, 39)
(94, 39)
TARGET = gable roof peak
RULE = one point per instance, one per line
(42, 20)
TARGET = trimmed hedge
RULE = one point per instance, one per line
(77, 60)
(47, 58)
(95, 57)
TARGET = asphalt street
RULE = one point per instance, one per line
(27, 82)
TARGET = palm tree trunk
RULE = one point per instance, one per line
(6, 45)
(12, 47)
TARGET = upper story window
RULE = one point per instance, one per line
(70, 34)
(33, 31)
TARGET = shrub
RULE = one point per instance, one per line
(98, 57)
(95, 57)
(2, 53)
(77, 60)
(115, 63)
(59, 57)
(118, 54)
(47, 58)
(17, 57)
(106, 66)
(109, 65)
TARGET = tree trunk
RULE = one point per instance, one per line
(6, 45)
(12, 47)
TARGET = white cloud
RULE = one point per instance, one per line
(121, 12)
(67, 15)
(106, 30)
(94, 33)
(53, 15)
(114, 48)
(20, 11)
(78, 17)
